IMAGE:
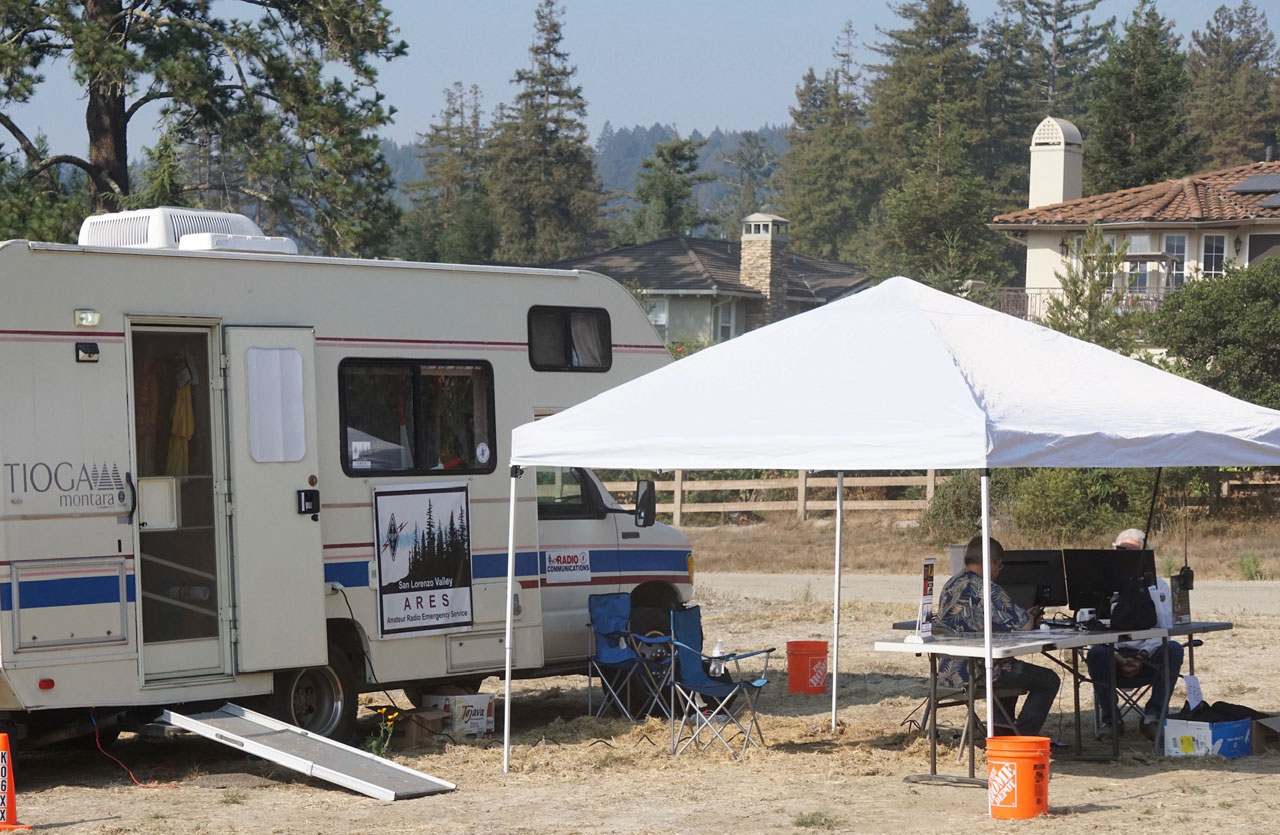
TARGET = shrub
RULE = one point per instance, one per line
(1081, 502)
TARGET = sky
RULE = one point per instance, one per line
(697, 64)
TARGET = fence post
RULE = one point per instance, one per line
(802, 494)
(677, 513)
(931, 485)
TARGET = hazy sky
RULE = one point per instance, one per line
(695, 63)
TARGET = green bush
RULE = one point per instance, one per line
(1081, 502)
(955, 514)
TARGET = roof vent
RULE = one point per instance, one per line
(168, 227)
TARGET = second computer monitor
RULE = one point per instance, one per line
(1034, 577)
(1095, 574)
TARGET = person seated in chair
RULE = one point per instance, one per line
(1137, 662)
(959, 610)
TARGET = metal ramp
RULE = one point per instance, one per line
(314, 756)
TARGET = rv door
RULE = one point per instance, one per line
(276, 546)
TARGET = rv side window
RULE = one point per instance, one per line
(403, 417)
(561, 494)
(569, 339)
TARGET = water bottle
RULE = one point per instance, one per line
(189, 593)
(717, 666)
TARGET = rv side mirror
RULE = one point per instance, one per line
(646, 503)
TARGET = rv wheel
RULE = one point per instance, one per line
(321, 700)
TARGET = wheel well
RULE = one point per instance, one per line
(656, 595)
(346, 635)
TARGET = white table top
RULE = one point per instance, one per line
(1010, 644)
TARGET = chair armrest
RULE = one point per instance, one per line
(734, 656)
(652, 639)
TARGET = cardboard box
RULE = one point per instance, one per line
(1266, 734)
(470, 715)
(413, 730)
(1198, 739)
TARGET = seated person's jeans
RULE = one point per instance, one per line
(1040, 685)
(1099, 663)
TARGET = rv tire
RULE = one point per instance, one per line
(322, 700)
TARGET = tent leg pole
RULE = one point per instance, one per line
(511, 581)
(835, 616)
(986, 598)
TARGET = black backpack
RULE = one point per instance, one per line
(1135, 609)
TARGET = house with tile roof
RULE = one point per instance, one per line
(702, 290)
(1176, 230)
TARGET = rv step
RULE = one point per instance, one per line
(314, 756)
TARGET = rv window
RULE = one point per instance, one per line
(561, 495)
(415, 418)
(569, 339)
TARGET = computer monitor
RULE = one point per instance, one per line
(1034, 577)
(1094, 574)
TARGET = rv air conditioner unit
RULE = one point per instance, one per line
(168, 227)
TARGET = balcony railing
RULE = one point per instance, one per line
(1033, 304)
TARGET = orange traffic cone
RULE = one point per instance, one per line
(8, 794)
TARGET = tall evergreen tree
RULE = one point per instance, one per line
(664, 190)
(541, 176)
(929, 62)
(452, 219)
(825, 177)
(933, 227)
(1087, 307)
(266, 84)
(1235, 92)
(1008, 89)
(46, 206)
(1140, 132)
(1067, 47)
(751, 168)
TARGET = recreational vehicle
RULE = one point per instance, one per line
(229, 471)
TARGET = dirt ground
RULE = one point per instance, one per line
(574, 774)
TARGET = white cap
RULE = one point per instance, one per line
(1131, 537)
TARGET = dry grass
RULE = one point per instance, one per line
(873, 544)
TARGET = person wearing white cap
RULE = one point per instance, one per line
(1137, 662)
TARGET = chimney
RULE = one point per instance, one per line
(764, 266)
(1057, 172)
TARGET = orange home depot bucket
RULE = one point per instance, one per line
(1018, 776)
(807, 667)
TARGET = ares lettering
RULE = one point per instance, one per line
(76, 485)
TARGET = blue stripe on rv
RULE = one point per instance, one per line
(350, 574)
(494, 566)
(67, 591)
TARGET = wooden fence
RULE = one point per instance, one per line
(684, 492)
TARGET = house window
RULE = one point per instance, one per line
(658, 310)
(408, 417)
(569, 339)
(1137, 270)
(723, 312)
(1215, 251)
(1175, 246)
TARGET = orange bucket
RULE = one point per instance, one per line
(807, 667)
(1018, 776)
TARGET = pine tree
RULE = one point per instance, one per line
(267, 85)
(1087, 307)
(664, 190)
(541, 176)
(1232, 65)
(930, 62)
(1140, 132)
(751, 165)
(933, 227)
(44, 206)
(1068, 45)
(825, 176)
(1008, 90)
(452, 219)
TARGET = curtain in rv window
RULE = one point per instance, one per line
(570, 339)
(277, 417)
(409, 417)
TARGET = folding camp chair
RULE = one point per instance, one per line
(615, 660)
(705, 704)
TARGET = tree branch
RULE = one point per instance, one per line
(156, 95)
(29, 149)
(94, 171)
(245, 190)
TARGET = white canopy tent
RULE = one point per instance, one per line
(900, 376)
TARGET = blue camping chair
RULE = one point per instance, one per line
(705, 704)
(615, 660)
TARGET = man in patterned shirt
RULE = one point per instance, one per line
(959, 610)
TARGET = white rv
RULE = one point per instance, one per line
(231, 471)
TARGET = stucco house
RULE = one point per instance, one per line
(1176, 230)
(703, 290)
